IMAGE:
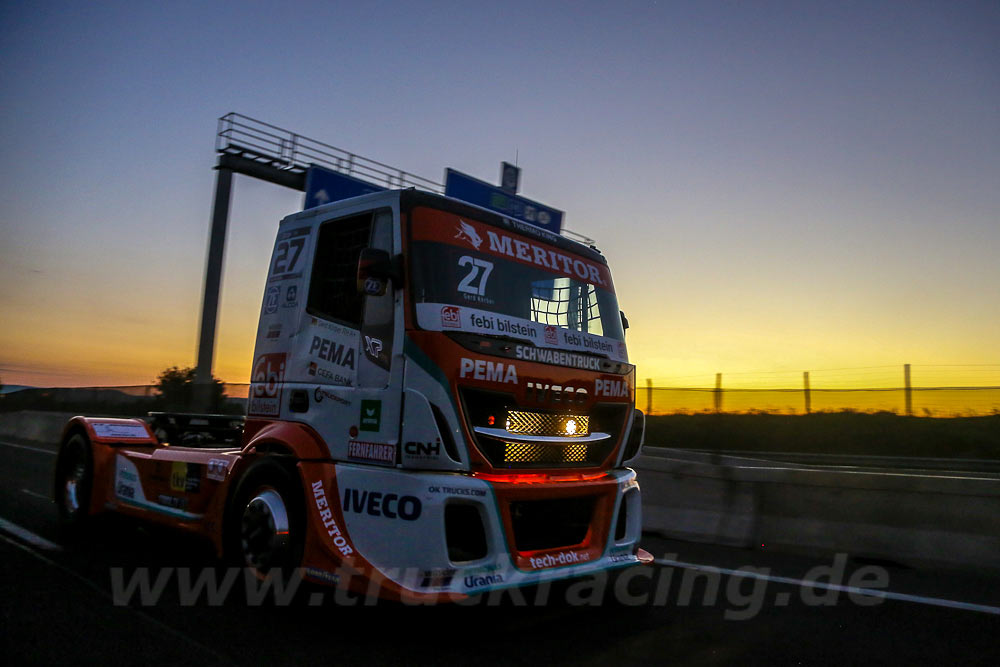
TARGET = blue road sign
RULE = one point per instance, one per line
(481, 193)
(324, 186)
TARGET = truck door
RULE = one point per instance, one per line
(380, 368)
(344, 352)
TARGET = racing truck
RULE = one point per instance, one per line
(441, 403)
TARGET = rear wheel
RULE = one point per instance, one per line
(265, 523)
(74, 481)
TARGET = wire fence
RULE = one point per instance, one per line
(905, 390)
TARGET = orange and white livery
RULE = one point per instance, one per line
(441, 403)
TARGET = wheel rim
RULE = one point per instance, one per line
(265, 530)
(75, 473)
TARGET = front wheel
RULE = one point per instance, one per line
(265, 523)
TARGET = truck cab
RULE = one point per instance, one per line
(468, 376)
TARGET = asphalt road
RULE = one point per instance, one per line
(58, 606)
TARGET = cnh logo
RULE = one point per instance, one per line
(423, 448)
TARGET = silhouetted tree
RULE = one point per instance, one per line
(176, 389)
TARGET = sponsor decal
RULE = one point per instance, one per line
(502, 325)
(271, 300)
(335, 378)
(543, 335)
(478, 581)
(291, 297)
(322, 575)
(561, 558)
(265, 391)
(326, 516)
(374, 287)
(333, 327)
(273, 332)
(388, 505)
(126, 480)
(288, 248)
(451, 316)
(371, 415)
(457, 491)
(374, 452)
(185, 477)
(436, 578)
(616, 388)
(473, 284)
(175, 502)
(320, 393)
(621, 558)
(491, 371)
(502, 244)
(373, 346)
(426, 451)
(332, 351)
(217, 469)
(540, 391)
(557, 357)
(104, 430)
(588, 342)
(468, 233)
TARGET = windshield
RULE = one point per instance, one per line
(475, 277)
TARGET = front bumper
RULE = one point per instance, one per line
(411, 532)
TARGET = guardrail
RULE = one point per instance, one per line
(909, 516)
(835, 461)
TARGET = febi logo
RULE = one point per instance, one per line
(376, 503)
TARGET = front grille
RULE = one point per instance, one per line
(542, 423)
(530, 452)
(548, 524)
(499, 410)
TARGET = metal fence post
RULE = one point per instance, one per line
(907, 390)
(805, 381)
(649, 396)
(718, 392)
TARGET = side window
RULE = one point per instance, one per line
(333, 293)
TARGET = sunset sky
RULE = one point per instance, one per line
(778, 186)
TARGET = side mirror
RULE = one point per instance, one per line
(624, 320)
(375, 270)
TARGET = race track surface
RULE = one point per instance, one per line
(58, 606)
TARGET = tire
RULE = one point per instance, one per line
(265, 519)
(74, 482)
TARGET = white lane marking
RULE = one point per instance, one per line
(30, 449)
(35, 494)
(806, 583)
(28, 536)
